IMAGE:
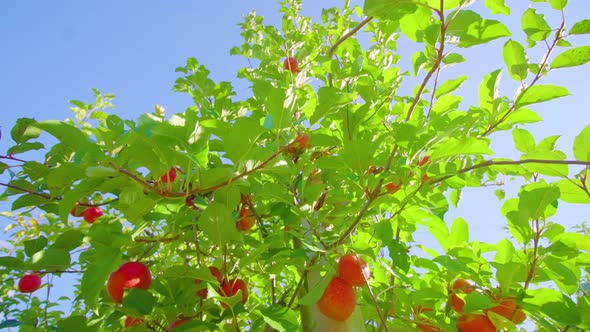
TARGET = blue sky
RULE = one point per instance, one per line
(52, 53)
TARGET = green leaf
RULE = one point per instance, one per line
(572, 193)
(473, 30)
(218, 225)
(464, 146)
(508, 274)
(11, 263)
(516, 60)
(540, 93)
(280, 108)
(67, 134)
(10, 323)
(316, 291)
(68, 240)
(24, 147)
(100, 172)
(459, 233)
(476, 301)
(331, 99)
(29, 200)
(23, 131)
(489, 90)
(446, 103)
(453, 58)
(548, 143)
(536, 197)
(558, 4)
(415, 25)
(546, 169)
(535, 26)
(498, 7)
(565, 274)
(279, 319)
(553, 304)
(51, 259)
(140, 300)
(64, 175)
(389, 9)
(518, 220)
(73, 324)
(572, 57)
(582, 146)
(580, 28)
(450, 86)
(505, 252)
(103, 262)
(523, 139)
(34, 246)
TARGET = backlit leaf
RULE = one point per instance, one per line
(572, 57)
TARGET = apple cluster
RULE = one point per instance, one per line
(339, 299)
(90, 214)
(506, 307)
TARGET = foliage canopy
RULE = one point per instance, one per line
(328, 159)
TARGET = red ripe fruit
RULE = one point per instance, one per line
(392, 188)
(129, 275)
(190, 202)
(291, 65)
(423, 161)
(353, 269)
(29, 283)
(460, 286)
(177, 323)
(422, 326)
(231, 287)
(202, 293)
(246, 221)
(91, 214)
(77, 211)
(338, 301)
(131, 321)
(475, 323)
(509, 309)
(170, 176)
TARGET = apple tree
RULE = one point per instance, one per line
(296, 207)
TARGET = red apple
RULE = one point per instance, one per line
(91, 214)
(169, 177)
(202, 293)
(353, 269)
(300, 143)
(231, 287)
(423, 161)
(338, 301)
(131, 321)
(475, 322)
(29, 283)
(291, 65)
(129, 275)
(460, 286)
(77, 211)
(246, 220)
(508, 308)
(392, 188)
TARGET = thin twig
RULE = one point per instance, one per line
(489, 163)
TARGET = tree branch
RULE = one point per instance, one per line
(348, 35)
(489, 163)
